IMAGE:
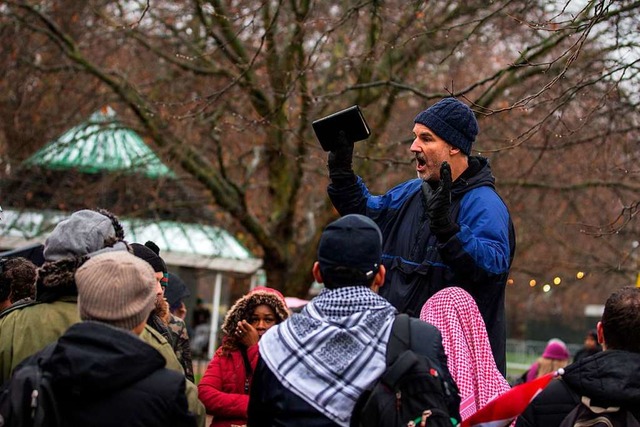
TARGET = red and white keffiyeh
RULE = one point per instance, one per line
(466, 343)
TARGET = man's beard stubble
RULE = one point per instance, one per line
(161, 309)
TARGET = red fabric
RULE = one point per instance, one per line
(532, 373)
(221, 389)
(464, 337)
(505, 408)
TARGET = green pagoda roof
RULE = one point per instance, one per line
(101, 144)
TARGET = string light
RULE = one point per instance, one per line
(579, 275)
(546, 287)
(532, 283)
(557, 281)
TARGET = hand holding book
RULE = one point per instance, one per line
(350, 121)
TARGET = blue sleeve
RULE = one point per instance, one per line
(356, 198)
(481, 247)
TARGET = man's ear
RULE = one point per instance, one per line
(316, 272)
(378, 281)
(600, 332)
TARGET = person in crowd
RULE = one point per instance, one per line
(96, 368)
(85, 233)
(75, 239)
(554, 357)
(224, 388)
(590, 346)
(20, 273)
(159, 318)
(201, 329)
(315, 365)
(18, 280)
(201, 314)
(606, 379)
(447, 227)
(5, 287)
(172, 328)
(175, 295)
(466, 344)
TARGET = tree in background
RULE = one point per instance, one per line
(225, 92)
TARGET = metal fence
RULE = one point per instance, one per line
(522, 353)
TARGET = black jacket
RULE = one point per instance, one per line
(477, 258)
(608, 378)
(105, 376)
(272, 404)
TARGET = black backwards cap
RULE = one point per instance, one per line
(350, 251)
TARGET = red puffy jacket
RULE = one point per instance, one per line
(222, 388)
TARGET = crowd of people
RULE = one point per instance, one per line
(102, 320)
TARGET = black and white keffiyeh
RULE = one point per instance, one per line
(333, 350)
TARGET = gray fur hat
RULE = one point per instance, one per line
(82, 234)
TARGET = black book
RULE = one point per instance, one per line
(349, 120)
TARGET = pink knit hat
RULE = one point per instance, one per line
(556, 350)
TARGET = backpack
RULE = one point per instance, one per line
(410, 390)
(28, 399)
(584, 415)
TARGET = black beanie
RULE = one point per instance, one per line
(452, 121)
(147, 254)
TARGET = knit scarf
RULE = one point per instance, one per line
(333, 350)
(466, 343)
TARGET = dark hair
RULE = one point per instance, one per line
(621, 320)
(339, 277)
(18, 279)
(5, 284)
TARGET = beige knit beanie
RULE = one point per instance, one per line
(116, 288)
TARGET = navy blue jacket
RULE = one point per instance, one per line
(477, 258)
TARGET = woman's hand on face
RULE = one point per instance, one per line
(247, 334)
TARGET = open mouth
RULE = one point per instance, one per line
(420, 160)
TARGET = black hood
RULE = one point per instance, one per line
(96, 358)
(609, 378)
(477, 174)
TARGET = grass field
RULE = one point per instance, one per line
(517, 363)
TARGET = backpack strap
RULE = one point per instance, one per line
(28, 398)
(399, 339)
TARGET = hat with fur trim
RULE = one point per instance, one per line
(83, 233)
(243, 308)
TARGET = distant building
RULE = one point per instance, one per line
(101, 153)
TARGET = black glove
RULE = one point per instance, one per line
(340, 162)
(439, 205)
